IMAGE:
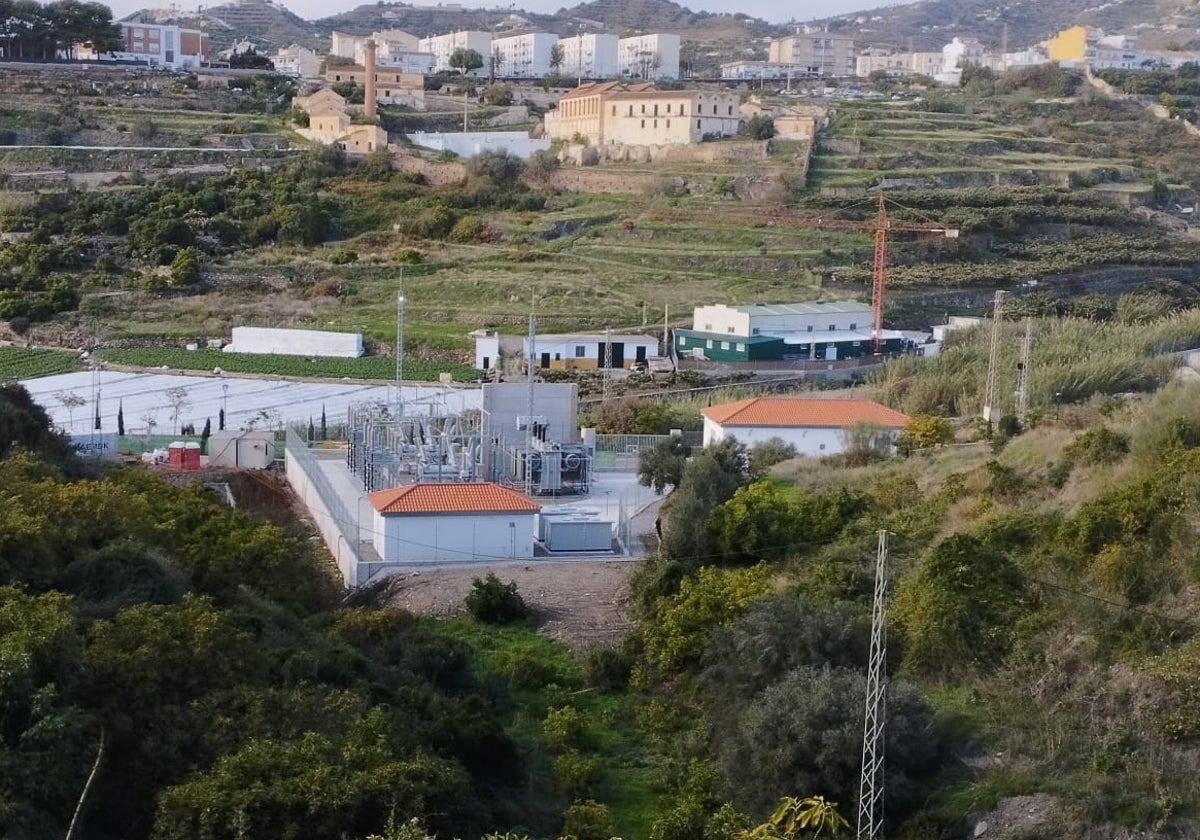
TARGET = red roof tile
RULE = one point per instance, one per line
(472, 497)
(782, 412)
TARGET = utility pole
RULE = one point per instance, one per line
(400, 355)
(530, 402)
(870, 791)
(607, 372)
(991, 408)
(1023, 374)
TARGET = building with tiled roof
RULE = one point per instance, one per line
(453, 522)
(639, 114)
(813, 426)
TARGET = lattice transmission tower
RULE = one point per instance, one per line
(870, 791)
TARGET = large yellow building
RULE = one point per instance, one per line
(611, 114)
(1069, 45)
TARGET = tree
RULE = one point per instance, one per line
(497, 169)
(541, 166)
(813, 816)
(766, 454)
(959, 610)
(324, 427)
(465, 60)
(864, 442)
(185, 268)
(712, 599)
(661, 465)
(70, 401)
(205, 434)
(587, 820)
(221, 420)
(178, 398)
(804, 732)
(760, 127)
(557, 56)
(708, 479)
(498, 95)
(121, 418)
(924, 431)
(494, 602)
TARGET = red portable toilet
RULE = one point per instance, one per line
(191, 456)
(175, 455)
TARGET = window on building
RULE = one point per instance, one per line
(708, 327)
(668, 123)
(729, 329)
(697, 123)
(741, 348)
(731, 110)
(656, 109)
(724, 345)
(754, 331)
(614, 113)
(810, 327)
(854, 326)
(643, 109)
(656, 123)
(668, 107)
(631, 110)
(580, 350)
(832, 327)
(682, 341)
(643, 123)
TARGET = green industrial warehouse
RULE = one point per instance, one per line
(784, 332)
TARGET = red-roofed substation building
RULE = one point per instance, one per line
(446, 523)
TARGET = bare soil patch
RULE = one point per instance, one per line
(579, 603)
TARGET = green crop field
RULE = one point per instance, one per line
(367, 367)
(24, 363)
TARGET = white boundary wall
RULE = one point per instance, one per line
(337, 540)
(295, 342)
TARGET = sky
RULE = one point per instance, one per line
(776, 11)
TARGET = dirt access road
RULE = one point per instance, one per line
(578, 602)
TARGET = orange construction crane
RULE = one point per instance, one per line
(882, 226)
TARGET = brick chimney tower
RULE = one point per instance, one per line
(369, 79)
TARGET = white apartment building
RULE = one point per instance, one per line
(156, 45)
(297, 61)
(395, 56)
(960, 52)
(819, 53)
(894, 64)
(344, 44)
(589, 57)
(523, 56)
(443, 46)
(648, 57)
(928, 63)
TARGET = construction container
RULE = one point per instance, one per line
(578, 535)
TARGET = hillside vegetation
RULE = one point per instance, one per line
(1042, 633)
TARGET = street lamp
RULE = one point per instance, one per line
(579, 62)
(224, 404)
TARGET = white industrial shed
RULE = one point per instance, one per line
(440, 523)
(813, 426)
(295, 342)
(591, 350)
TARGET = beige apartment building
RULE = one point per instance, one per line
(611, 114)
(818, 53)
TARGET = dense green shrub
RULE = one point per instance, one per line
(495, 602)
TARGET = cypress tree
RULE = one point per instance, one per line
(324, 428)
(221, 420)
(121, 418)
